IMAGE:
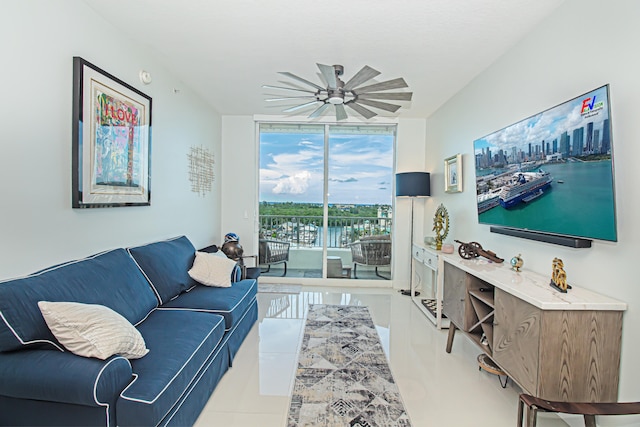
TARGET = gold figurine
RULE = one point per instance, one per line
(558, 276)
(441, 225)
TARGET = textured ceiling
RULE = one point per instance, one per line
(227, 49)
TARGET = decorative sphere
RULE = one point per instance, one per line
(517, 262)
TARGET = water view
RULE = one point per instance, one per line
(578, 202)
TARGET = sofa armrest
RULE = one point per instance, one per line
(63, 377)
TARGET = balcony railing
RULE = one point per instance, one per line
(307, 231)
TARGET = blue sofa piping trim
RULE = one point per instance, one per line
(212, 311)
(225, 338)
(23, 342)
(149, 402)
(153, 288)
(55, 267)
(158, 289)
(95, 386)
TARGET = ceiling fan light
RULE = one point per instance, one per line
(335, 100)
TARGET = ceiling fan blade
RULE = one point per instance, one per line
(364, 112)
(398, 96)
(289, 98)
(319, 111)
(377, 104)
(299, 107)
(300, 79)
(365, 74)
(341, 113)
(287, 88)
(329, 74)
(389, 84)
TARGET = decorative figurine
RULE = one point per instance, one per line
(517, 262)
(474, 250)
(232, 248)
(558, 276)
(441, 225)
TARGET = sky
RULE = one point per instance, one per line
(292, 165)
(550, 124)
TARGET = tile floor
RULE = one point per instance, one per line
(438, 389)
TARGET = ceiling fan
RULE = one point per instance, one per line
(340, 94)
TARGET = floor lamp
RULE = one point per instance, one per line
(412, 184)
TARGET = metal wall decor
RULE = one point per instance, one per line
(201, 174)
(111, 134)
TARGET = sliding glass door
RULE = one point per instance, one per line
(326, 200)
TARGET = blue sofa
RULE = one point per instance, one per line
(192, 333)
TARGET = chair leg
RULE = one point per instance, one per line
(354, 270)
(452, 332)
(590, 421)
(285, 269)
(379, 275)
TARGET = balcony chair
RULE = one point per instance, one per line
(371, 251)
(588, 410)
(273, 252)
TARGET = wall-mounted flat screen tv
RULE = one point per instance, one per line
(552, 172)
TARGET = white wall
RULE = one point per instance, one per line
(583, 45)
(240, 174)
(37, 225)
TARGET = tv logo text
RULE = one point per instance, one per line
(590, 105)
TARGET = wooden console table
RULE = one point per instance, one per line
(555, 346)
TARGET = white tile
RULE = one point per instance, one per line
(280, 335)
(235, 419)
(438, 389)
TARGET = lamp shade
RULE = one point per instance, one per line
(413, 184)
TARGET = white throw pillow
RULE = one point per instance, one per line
(92, 330)
(212, 270)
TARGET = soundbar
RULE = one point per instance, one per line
(572, 242)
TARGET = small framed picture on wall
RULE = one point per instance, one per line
(453, 174)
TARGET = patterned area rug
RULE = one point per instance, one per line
(343, 378)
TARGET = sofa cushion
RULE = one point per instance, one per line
(92, 330)
(180, 344)
(165, 264)
(110, 278)
(229, 302)
(211, 269)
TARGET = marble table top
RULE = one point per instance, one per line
(533, 287)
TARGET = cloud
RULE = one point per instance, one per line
(352, 179)
(296, 184)
(546, 126)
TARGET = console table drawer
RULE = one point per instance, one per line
(418, 253)
(430, 260)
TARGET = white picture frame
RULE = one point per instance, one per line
(453, 174)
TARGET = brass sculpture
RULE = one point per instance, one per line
(441, 225)
(559, 276)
